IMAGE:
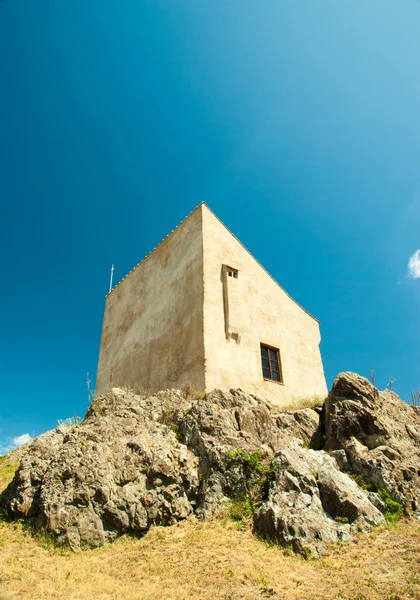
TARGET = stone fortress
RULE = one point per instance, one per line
(200, 309)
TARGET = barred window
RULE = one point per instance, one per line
(270, 362)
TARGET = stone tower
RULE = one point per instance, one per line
(201, 309)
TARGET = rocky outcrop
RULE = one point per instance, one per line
(122, 469)
(311, 504)
(375, 436)
(135, 461)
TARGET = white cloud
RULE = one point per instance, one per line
(21, 439)
(414, 265)
(11, 444)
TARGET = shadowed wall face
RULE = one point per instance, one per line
(152, 333)
(246, 309)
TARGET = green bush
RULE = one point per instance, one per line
(241, 508)
(250, 459)
(262, 474)
(395, 509)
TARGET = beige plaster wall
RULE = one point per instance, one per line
(153, 324)
(259, 311)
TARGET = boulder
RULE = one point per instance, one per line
(311, 503)
(120, 470)
(376, 436)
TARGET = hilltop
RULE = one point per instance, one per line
(216, 467)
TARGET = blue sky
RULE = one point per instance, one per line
(296, 120)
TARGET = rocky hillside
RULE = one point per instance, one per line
(308, 478)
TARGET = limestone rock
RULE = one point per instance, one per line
(376, 436)
(311, 503)
(120, 470)
(217, 426)
(138, 460)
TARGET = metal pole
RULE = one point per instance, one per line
(112, 274)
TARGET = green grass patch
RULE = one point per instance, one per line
(7, 468)
(7, 471)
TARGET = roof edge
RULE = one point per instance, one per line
(203, 203)
(157, 246)
(258, 262)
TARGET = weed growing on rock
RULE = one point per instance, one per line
(263, 473)
(361, 482)
(189, 393)
(341, 519)
(395, 509)
(251, 459)
(95, 406)
(176, 431)
(70, 421)
(241, 509)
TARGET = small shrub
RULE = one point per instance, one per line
(260, 489)
(147, 392)
(369, 487)
(70, 421)
(261, 476)
(187, 389)
(341, 519)
(250, 459)
(241, 509)
(395, 509)
(176, 431)
(95, 405)
(190, 393)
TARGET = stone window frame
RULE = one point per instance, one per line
(270, 351)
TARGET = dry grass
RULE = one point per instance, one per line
(207, 561)
(307, 402)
